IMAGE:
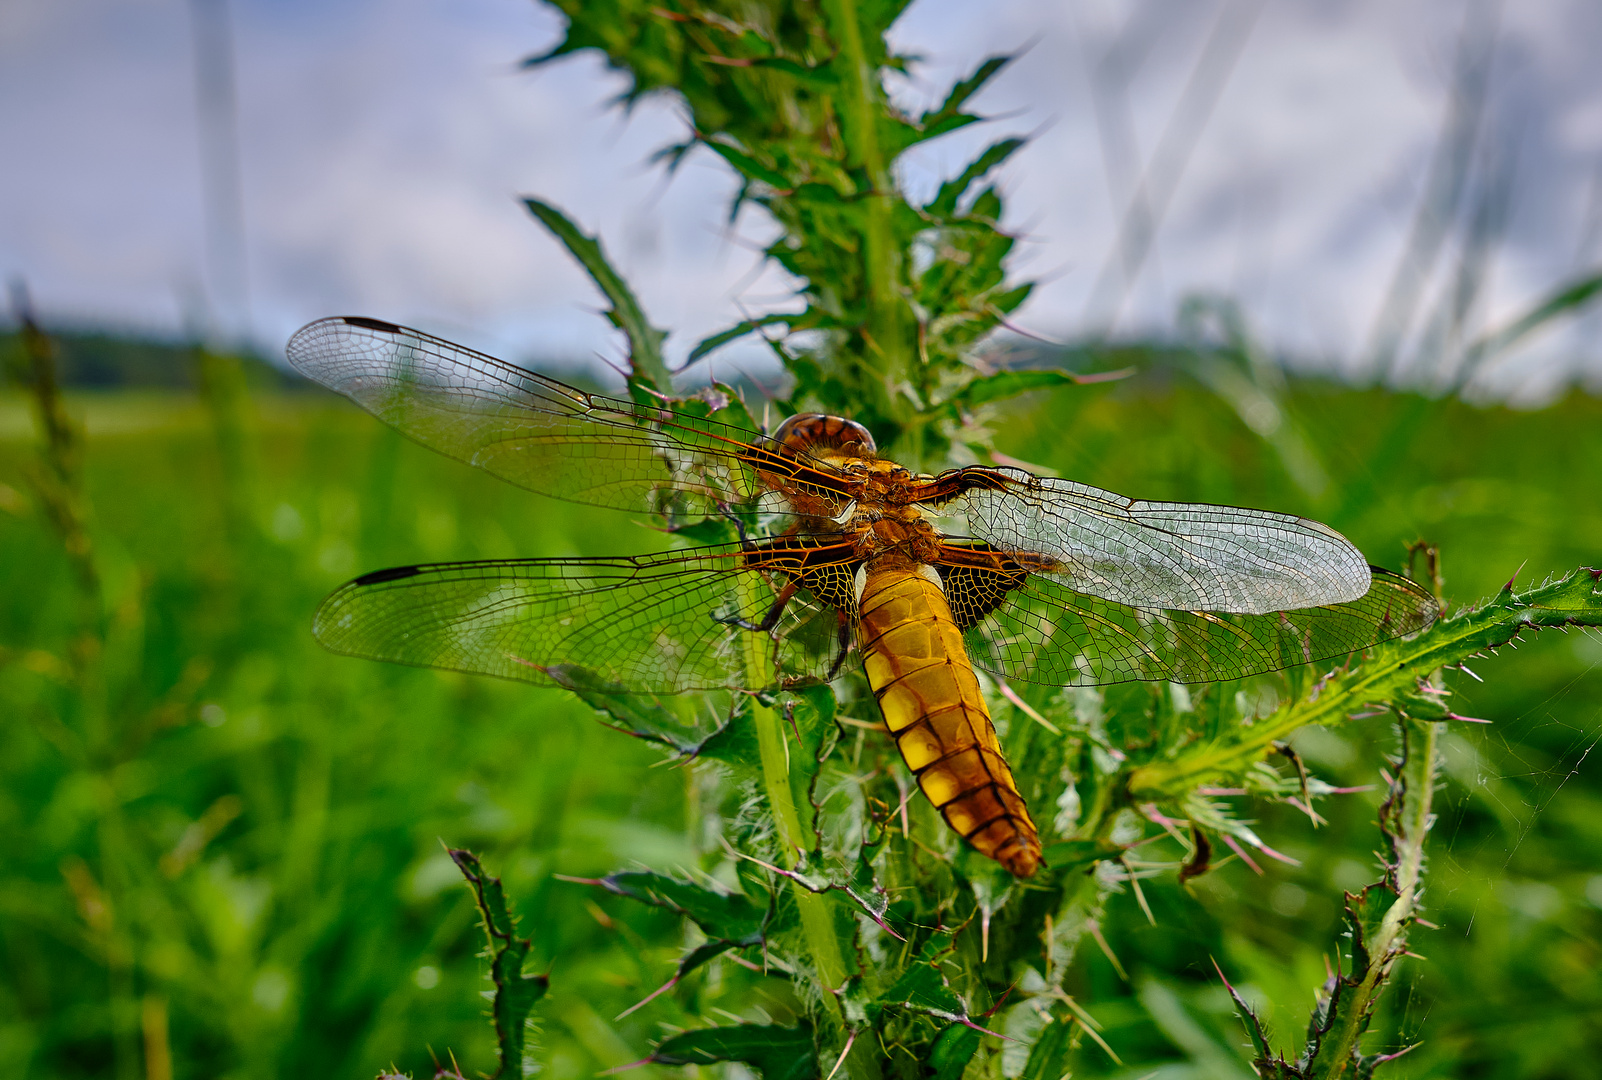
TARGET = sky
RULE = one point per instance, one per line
(1289, 155)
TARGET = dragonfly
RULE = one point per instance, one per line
(930, 578)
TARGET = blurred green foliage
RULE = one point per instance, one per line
(226, 851)
(101, 360)
(258, 835)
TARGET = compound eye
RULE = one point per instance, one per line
(808, 431)
(795, 432)
(853, 433)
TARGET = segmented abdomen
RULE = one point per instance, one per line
(926, 687)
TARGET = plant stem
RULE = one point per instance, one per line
(817, 921)
(861, 107)
(1422, 742)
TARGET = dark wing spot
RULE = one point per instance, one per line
(394, 573)
(372, 324)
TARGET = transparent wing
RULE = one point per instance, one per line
(1045, 632)
(648, 624)
(1187, 556)
(544, 435)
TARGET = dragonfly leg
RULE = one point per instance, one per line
(771, 619)
(739, 525)
(845, 647)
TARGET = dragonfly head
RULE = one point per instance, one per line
(810, 432)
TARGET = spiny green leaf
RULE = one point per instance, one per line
(800, 321)
(717, 911)
(645, 340)
(748, 166)
(1050, 1057)
(944, 204)
(735, 742)
(948, 116)
(778, 1053)
(822, 77)
(515, 992)
(729, 919)
(1362, 913)
(1254, 1027)
(1072, 856)
(1006, 384)
(639, 715)
(704, 953)
(1574, 600)
(953, 1049)
(809, 714)
(922, 985)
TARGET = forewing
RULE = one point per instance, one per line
(1188, 556)
(1047, 633)
(542, 434)
(645, 624)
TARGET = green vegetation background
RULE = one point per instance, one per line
(258, 837)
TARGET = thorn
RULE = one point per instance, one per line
(1088, 1024)
(1223, 977)
(1238, 850)
(1464, 669)
(1023, 706)
(743, 962)
(599, 915)
(1272, 854)
(1002, 1000)
(1466, 719)
(1102, 376)
(849, 1040)
(1306, 808)
(1381, 1059)
(1425, 923)
(1170, 826)
(652, 996)
(906, 796)
(1140, 894)
(1256, 841)
(1106, 950)
(984, 935)
(967, 1022)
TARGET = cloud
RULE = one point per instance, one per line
(383, 146)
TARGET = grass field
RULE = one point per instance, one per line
(225, 845)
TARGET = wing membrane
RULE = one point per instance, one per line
(542, 434)
(1048, 633)
(647, 623)
(1187, 556)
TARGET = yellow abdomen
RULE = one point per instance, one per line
(926, 687)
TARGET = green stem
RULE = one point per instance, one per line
(862, 105)
(817, 920)
(1390, 940)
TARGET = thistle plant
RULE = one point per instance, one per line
(899, 950)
